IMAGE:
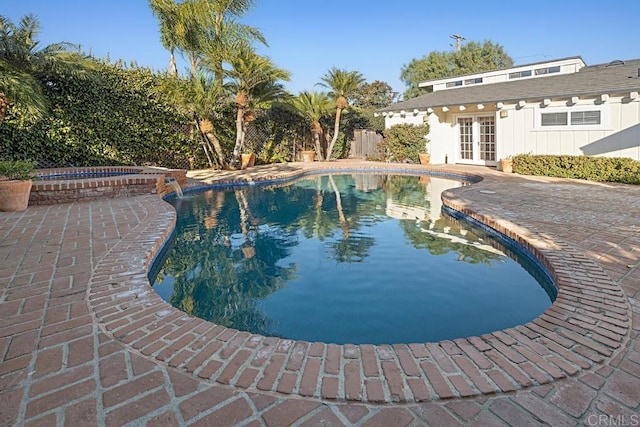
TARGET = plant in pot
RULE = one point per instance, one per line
(309, 156)
(247, 160)
(16, 179)
(425, 158)
(506, 164)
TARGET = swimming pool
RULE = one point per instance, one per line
(359, 258)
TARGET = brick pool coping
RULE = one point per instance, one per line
(588, 324)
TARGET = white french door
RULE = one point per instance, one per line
(477, 139)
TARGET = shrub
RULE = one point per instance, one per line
(402, 143)
(602, 169)
(22, 170)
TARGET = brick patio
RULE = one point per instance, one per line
(85, 341)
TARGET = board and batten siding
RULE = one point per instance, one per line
(617, 136)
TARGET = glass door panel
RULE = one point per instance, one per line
(465, 125)
(487, 137)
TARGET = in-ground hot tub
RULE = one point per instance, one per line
(66, 185)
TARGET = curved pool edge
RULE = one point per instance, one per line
(256, 178)
(565, 340)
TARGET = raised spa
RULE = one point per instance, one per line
(68, 185)
(349, 258)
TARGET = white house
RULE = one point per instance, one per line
(553, 107)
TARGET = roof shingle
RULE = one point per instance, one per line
(589, 81)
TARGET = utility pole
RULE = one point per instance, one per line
(458, 42)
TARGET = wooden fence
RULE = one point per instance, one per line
(365, 144)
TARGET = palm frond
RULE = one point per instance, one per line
(23, 91)
(313, 105)
(342, 82)
(25, 67)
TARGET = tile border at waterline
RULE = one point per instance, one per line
(470, 178)
(587, 325)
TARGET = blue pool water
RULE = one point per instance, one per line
(357, 258)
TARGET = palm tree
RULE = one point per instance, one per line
(24, 67)
(253, 80)
(342, 84)
(224, 34)
(263, 96)
(15, 88)
(193, 20)
(204, 28)
(200, 97)
(168, 14)
(314, 106)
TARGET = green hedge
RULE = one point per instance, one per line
(602, 169)
(118, 118)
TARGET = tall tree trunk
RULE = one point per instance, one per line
(173, 68)
(218, 149)
(218, 73)
(244, 135)
(193, 60)
(204, 141)
(316, 143)
(4, 106)
(239, 128)
(336, 128)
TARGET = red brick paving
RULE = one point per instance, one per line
(84, 340)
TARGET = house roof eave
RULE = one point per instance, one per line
(507, 100)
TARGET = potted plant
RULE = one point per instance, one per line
(506, 164)
(425, 158)
(247, 160)
(308, 156)
(15, 184)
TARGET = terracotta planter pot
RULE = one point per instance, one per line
(247, 160)
(308, 156)
(14, 195)
(506, 165)
(425, 158)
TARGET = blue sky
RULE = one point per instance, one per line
(375, 37)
